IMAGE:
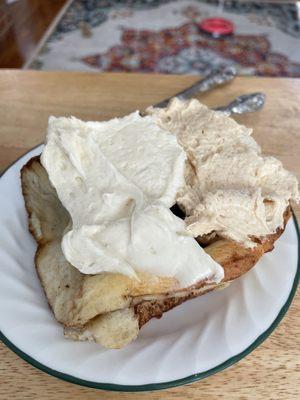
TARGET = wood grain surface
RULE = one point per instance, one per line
(28, 98)
(23, 24)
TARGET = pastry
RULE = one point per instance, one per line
(201, 202)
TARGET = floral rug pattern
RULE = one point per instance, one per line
(164, 36)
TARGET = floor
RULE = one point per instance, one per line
(24, 22)
(165, 36)
(22, 25)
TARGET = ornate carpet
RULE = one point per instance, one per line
(163, 36)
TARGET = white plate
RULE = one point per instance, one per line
(197, 339)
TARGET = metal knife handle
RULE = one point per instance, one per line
(216, 78)
(244, 104)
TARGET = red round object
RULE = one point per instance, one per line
(217, 26)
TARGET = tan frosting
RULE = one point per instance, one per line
(231, 188)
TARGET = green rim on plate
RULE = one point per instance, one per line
(162, 385)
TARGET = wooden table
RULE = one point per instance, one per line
(26, 101)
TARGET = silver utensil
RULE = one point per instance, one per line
(246, 103)
(243, 104)
(216, 78)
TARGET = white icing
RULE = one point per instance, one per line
(118, 179)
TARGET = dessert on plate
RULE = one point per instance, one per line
(135, 215)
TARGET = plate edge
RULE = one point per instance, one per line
(163, 385)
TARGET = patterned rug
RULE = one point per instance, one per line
(164, 36)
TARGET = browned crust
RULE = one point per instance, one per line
(236, 263)
(37, 254)
(269, 241)
(40, 243)
(24, 169)
(155, 308)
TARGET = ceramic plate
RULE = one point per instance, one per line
(191, 342)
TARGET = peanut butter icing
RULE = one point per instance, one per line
(231, 188)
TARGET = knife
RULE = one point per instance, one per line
(242, 104)
(214, 79)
